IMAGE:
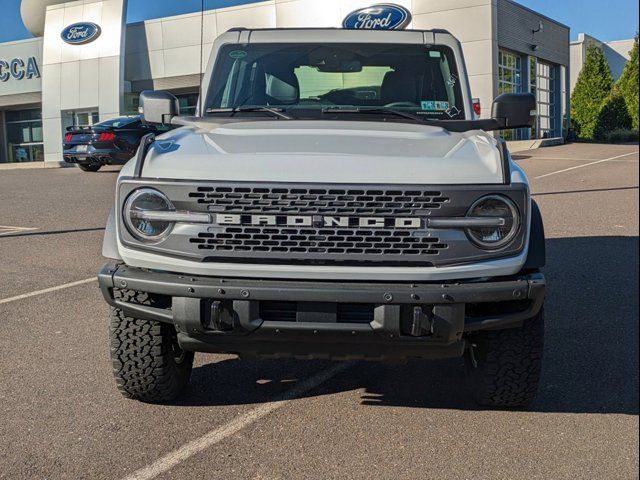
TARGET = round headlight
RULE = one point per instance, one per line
(140, 225)
(506, 228)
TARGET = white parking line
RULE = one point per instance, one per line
(585, 165)
(8, 230)
(232, 427)
(48, 290)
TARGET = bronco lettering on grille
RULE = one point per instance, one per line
(318, 221)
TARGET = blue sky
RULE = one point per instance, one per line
(606, 20)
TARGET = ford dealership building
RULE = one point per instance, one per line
(86, 64)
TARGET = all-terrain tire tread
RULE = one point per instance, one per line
(508, 373)
(142, 360)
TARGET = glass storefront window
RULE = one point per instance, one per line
(543, 85)
(188, 103)
(510, 81)
(24, 136)
(84, 118)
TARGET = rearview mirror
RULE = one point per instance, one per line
(344, 66)
(158, 107)
(515, 110)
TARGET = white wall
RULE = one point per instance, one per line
(79, 77)
(22, 49)
(616, 53)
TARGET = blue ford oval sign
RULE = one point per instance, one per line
(378, 17)
(81, 33)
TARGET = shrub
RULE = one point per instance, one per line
(591, 91)
(622, 136)
(628, 85)
(613, 116)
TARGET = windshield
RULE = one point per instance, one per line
(315, 79)
(118, 122)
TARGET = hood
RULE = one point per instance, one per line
(325, 152)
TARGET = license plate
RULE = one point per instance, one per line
(81, 149)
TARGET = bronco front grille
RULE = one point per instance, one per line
(325, 201)
(319, 243)
(388, 242)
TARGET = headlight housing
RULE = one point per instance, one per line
(140, 224)
(507, 222)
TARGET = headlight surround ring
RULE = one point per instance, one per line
(504, 208)
(147, 199)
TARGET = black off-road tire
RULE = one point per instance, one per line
(505, 365)
(89, 167)
(147, 362)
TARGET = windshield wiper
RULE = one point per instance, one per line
(486, 124)
(277, 112)
(374, 110)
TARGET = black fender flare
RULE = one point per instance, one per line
(537, 255)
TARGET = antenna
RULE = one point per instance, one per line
(201, 54)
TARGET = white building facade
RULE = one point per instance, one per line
(51, 84)
(616, 52)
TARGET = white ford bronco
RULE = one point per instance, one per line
(335, 197)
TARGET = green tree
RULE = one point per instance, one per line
(614, 115)
(628, 85)
(591, 92)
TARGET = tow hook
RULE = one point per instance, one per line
(472, 355)
(422, 322)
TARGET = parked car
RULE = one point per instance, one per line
(112, 142)
(288, 218)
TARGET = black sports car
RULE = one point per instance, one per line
(112, 142)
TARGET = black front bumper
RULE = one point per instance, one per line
(422, 320)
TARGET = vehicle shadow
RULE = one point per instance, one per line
(591, 350)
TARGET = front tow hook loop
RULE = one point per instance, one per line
(422, 324)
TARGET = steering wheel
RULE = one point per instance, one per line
(400, 104)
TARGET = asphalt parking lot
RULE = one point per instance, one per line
(61, 416)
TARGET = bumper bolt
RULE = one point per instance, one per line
(415, 297)
(221, 291)
(387, 297)
(244, 293)
(123, 284)
(191, 290)
(517, 294)
(447, 298)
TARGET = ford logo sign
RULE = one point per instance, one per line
(378, 17)
(81, 33)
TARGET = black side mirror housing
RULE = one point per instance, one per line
(158, 107)
(515, 110)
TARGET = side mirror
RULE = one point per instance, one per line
(158, 107)
(515, 110)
